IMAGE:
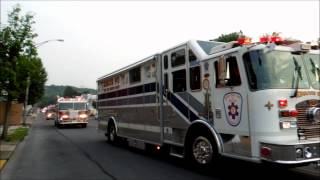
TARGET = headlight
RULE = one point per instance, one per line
(313, 114)
(65, 116)
(299, 153)
(83, 116)
(307, 152)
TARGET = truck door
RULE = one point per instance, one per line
(174, 79)
(230, 104)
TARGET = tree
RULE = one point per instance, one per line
(32, 67)
(229, 37)
(70, 92)
(18, 60)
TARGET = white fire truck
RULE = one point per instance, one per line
(251, 101)
(72, 111)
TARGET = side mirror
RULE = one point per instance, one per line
(223, 71)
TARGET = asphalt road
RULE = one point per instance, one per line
(83, 153)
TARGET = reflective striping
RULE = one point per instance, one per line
(192, 101)
(129, 106)
(150, 87)
(140, 127)
(179, 105)
(129, 96)
(149, 99)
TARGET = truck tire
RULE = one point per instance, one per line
(112, 134)
(201, 150)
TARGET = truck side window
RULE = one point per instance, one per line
(192, 56)
(178, 58)
(233, 73)
(165, 62)
(166, 81)
(135, 75)
(179, 81)
(195, 82)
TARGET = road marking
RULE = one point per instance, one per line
(2, 163)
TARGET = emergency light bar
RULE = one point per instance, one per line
(272, 39)
(244, 40)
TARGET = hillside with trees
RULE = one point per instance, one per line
(52, 91)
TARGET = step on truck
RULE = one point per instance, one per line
(258, 102)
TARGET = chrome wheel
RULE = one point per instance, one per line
(202, 150)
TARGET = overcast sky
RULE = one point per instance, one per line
(103, 36)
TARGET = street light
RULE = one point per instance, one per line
(28, 81)
(44, 42)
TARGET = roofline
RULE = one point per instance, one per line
(127, 67)
(202, 56)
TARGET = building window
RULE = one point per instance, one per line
(192, 56)
(195, 78)
(135, 75)
(179, 81)
(178, 58)
(165, 62)
(231, 69)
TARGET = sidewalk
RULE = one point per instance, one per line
(7, 148)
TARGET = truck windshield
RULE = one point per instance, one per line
(79, 106)
(313, 68)
(274, 70)
(65, 106)
(71, 105)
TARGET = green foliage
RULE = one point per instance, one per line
(18, 134)
(52, 91)
(229, 37)
(33, 68)
(70, 92)
(19, 58)
(19, 62)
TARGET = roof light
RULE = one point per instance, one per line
(264, 39)
(276, 39)
(305, 46)
(244, 40)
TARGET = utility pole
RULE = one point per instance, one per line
(26, 102)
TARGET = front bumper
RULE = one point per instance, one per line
(73, 122)
(291, 153)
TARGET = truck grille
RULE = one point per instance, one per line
(306, 128)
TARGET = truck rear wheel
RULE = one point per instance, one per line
(112, 134)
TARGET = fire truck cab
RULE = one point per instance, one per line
(72, 111)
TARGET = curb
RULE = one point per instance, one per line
(6, 151)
